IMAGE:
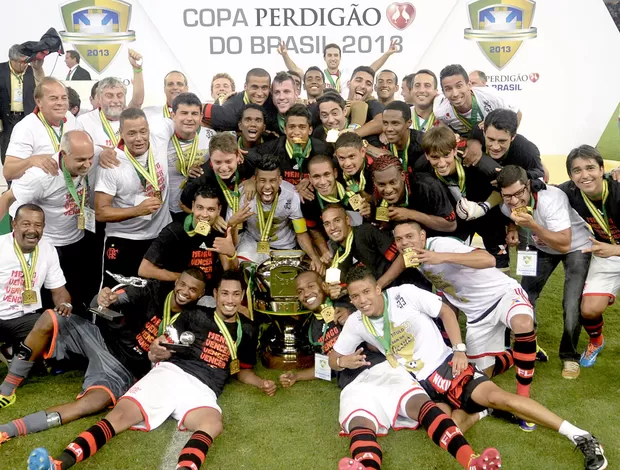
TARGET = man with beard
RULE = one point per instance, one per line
(314, 83)
(423, 93)
(386, 86)
(183, 385)
(114, 363)
(132, 197)
(36, 138)
(23, 254)
(222, 85)
(175, 83)
(194, 242)
(252, 126)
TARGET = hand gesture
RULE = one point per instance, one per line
(600, 249)
(523, 219)
(366, 209)
(45, 162)
(340, 315)
(37, 64)
(220, 224)
(241, 215)
(326, 258)
(224, 245)
(268, 387)
(393, 48)
(157, 352)
(473, 153)
(249, 188)
(135, 59)
(106, 297)
(288, 379)
(149, 206)
(282, 49)
(355, 360)
(108, 158)
(335, 291)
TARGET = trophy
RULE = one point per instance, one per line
(179, 343)
(123, 281)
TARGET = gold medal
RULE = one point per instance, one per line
(356, 201)
(29, 297)
(81, 222)
(383, 214)
(264, 248)
(202, 228)
(411, 258)
(392, 360)
(328, 314)
(157, 194)
(235, 366)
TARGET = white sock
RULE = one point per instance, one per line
(570, 431)
(483, 414)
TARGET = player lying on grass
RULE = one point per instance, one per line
(399, 323)
(184, 385)
(117, 355)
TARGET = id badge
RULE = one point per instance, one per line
(89, 219)
(18, 95)
(527, 262)
(321, 367)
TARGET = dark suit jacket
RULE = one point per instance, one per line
(80, 74)
(5, 91)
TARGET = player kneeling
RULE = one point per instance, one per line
(184, 385)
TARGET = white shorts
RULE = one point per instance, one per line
(486, 338)
(603, 277)
(380, 395)
(166, 391)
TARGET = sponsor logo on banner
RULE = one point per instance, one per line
(500, 27)
(400, 15)
(512, 82)
(97, 29)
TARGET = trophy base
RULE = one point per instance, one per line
(286, 361)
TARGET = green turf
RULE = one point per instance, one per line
(298, 427)
(609, 145)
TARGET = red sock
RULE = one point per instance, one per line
(503, 362)
(524, 354)
(365, 448)
(195, 451)
(594, 328)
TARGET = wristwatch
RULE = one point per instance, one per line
(461, 347)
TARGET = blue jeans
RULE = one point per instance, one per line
(576, 266)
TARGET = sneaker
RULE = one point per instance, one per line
(541, 354)
(525, 426)
(588, 358)
(347, 463)
(571, 370)
(594, 458)
(4, 437)
(40, 459)
(7, 401)
(488, 460)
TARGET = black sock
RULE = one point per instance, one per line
(87, 443)
(195, 451)
(365, 448)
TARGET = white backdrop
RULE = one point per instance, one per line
(564, 80)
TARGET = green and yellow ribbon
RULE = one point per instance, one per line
(600, 215)
(185, 163)
(54, 137)
(73, 189)
(339, 258)
(232, 345)
(27, 269)
(332, 200)
(460, 173)
(107, 127)
(295, 151)
(232, 197)
(264, 227)
(166, 111)
(426, 125)
(386, 339)
(166, 320)
(405, 156)
(335, 84)
(149, 175)
(472, 122)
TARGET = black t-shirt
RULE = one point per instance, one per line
(525, 154)
(174, 250)
(288, 165)
(226, 117)
(416, 159)
(208, 178)
(374, 108)
(209, 357)
(323, 342)
(612, 207)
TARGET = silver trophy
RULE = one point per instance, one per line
(123, 281)
(179, 342)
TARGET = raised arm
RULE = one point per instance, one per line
(290, 65)
(377, 64)
(137, 97)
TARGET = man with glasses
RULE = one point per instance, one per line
(551, 232)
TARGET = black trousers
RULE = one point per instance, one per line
(5, 135)
(122, 256)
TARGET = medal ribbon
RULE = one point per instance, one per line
(460, 172)
(185, 164)
(232, 197)
(354, 186)
(341, 195)
(166, 320)
(601, 219)
(281, 123)
(475, 112)
(72, 188)
(405, 158)
(54, 137)
(27, 269)
(330, 79)
(340, 258)
(19, 76)
(295, 151)
(232, 345)
(386, 339)
(166, 111)
(246, 98)
(265, 227)
(107, 127)
(318, 316)
(189, 225)
(426, 125)
(384, 203)
(143, 174)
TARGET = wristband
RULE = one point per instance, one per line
(230, 258)
(137, 70)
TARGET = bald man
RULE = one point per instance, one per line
(478, 78)
(175, 83)
(65, 198)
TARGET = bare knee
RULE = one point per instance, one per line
(498, 398)
(361, 422)
(522, 324)
(93, 401)
(593, 307)
(44, 325)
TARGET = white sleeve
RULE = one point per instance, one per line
(448, 245)
(106, 181)
(29, 187)
(423, 301)
(22, 142)
(296, 208)
(349, 337)
(556, 213)
(54, 278)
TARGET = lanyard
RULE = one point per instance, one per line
(166, 111)
(18, 77)
(460, 172)
(405, 158)
(246, 98)
(72, 188)
(232, 345)
(385, 340)
(232, 197)
(27, 269)
(281, 123)
(340, 258)
(185, 164)
(295, 151)
(600, 216)
(166, 320)
(143, 174)
(353, 185)
(265, 226)
(423, 126)
(107, 127)
(475, 112)
(330, 79)
(54, 137)
(333, 200)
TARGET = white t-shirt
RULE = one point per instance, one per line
(471, 290)
(554, 212)
(47, 274)
(51, 194)
(29, 137)
(488, 100)
(416, 340)
(91, 123)
(122, 182)
(175, 177)
(288, 209)
(154, 112)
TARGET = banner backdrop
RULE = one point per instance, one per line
(555, 59)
